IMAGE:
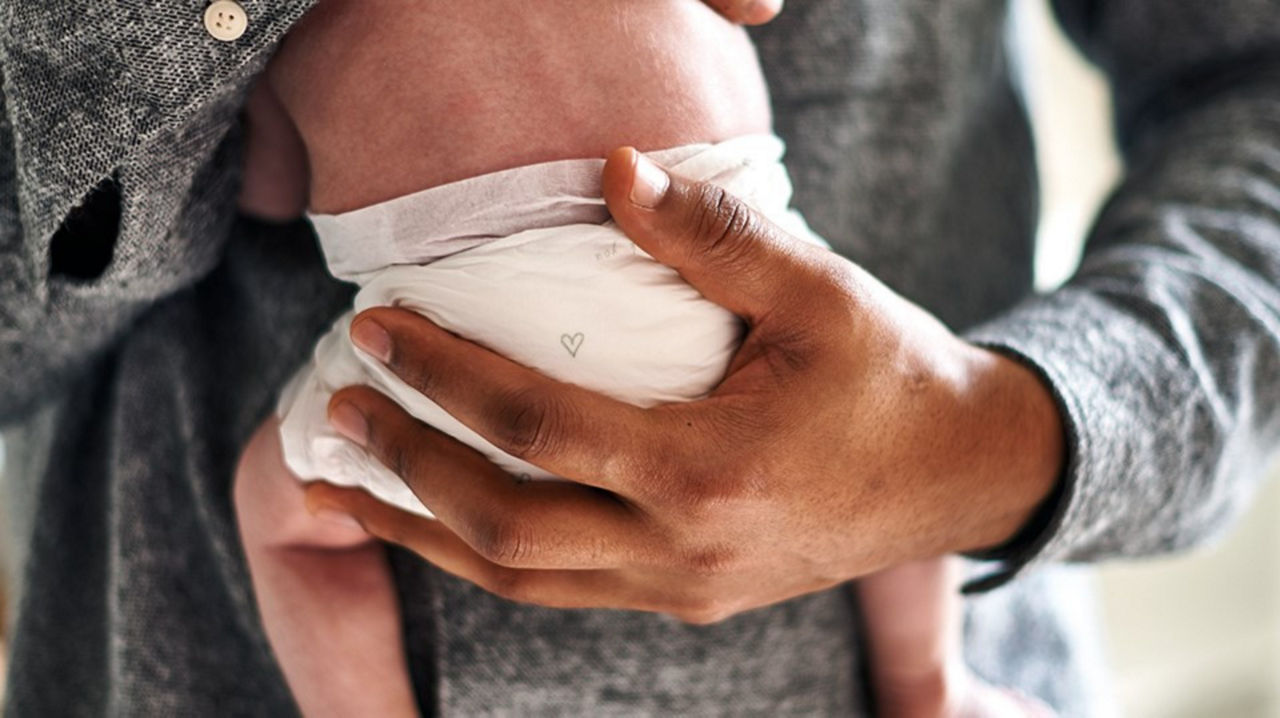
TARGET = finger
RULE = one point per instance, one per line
(562, 428)
(531, 524)
(735, 257)
(748, 12)
(437, 544)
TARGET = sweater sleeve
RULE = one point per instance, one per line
(1163, 351)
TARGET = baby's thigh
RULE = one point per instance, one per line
(270, 502)
(274, 180)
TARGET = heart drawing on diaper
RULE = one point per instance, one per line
(572, 343)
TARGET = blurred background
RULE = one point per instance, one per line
(1189, 637)
(1196, 636)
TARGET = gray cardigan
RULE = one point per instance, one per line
(144, 331)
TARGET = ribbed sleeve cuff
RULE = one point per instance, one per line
(1077, 344)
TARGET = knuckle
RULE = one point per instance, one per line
(711, 562)
(720, 221)
(415, 370)
(408, 355)
(753, 482)
(527, 424)
(660, 473)
(505, 542)
(397, 454)
(711, 496)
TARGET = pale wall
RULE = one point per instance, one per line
(1190, 636)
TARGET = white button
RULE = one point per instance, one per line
(225, 20)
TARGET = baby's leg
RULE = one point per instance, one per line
(915, 619)
(325, 593)
(274, 180)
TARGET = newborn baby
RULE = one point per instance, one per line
(449, 156)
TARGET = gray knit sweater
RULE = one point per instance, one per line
(144, 331)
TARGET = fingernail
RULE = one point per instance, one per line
(743, 9)
(372, 339)
(756, 13)
(650, 185)
(339, 518)
(759, 12)
(349, 422)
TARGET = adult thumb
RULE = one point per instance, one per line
(725, 249)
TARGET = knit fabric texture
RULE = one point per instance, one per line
(145, 331)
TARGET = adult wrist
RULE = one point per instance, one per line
(1021, 430)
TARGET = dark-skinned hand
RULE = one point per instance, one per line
(852, 432)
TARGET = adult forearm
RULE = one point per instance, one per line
(1164, 350)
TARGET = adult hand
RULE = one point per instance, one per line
(747, 12)
(853, 431)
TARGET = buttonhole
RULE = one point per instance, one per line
(83, 245)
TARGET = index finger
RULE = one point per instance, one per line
(560, 427)
(733, 255)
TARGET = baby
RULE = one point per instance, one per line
(447, 152)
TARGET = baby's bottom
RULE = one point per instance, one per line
(325, 592)
(913, 618)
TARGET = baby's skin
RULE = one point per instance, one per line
(392, 97)
(373, 99)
